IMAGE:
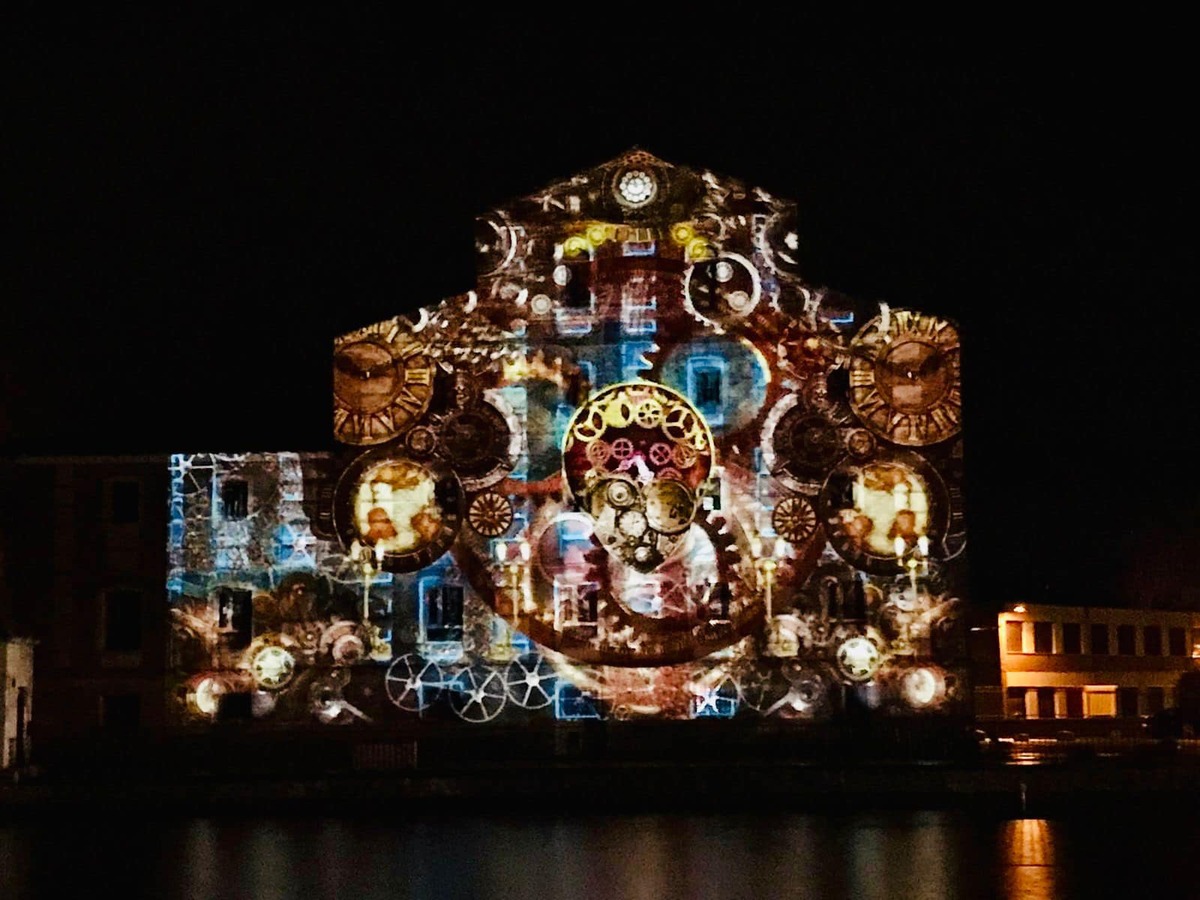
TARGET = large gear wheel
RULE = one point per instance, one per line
(477, 693)
(413, 683)
(530, 681)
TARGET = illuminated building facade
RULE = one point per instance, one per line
(641, 469)
(1075, 662)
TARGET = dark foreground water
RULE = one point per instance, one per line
(890, 856)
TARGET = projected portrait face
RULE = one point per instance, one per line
(396, 509)
(404, 514)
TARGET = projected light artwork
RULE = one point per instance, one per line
(642, 468)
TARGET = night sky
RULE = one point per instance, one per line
(197, 206)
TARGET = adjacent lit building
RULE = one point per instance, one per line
(1072, 662)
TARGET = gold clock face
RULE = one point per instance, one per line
(378, 392)
(406, 513)
(905, 382)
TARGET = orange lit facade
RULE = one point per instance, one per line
(1070, 662)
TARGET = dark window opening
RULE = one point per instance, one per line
(126, 502)
(1043, 637)
(1072, 639)
(589, 607)
(1045, 703)
(575, 293)
(1074, 698)
(1177, 642)
(1152, 640)
(1125, 640)
(443, 612)
(123, 621)
(1155, 700)
(1013, 639)
(856, 602)
(1014, 703)
(840, 487)
(235, 617)
(1100, 639)
(1127, 699)
(235, 499)
(708, 387)
(121, 711)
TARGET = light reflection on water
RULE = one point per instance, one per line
(912, 855)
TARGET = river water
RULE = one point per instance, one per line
(516, 854)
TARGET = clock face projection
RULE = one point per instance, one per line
(380, 386)
(401, 513)
(904, 378)
(880, 514)
(640, 469)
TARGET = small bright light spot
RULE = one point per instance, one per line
(920, 687)
(1019, 608)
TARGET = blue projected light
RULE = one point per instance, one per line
(571, 704)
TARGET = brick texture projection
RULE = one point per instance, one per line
(641, 469)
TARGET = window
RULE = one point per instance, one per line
(1177, 641)
(705, 387)
(1045, 703)
(1072, 638)
(441, 610)
(1100, 701)
(120, 712)
(235, 498)
(1013, 639)
(1127, 701)
(1100, 639)
(637, 312)
(1152, 640)
(234, 617)
(123, 621)
(1125, 640)
(1014, 703)
(575, 293)
(1042, 637)
(126, 506)
(1155, 700)
(1074, 697)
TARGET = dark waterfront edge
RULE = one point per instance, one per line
(1043, 790)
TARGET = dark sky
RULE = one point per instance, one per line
(199, 205)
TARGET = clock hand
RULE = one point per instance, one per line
(378, 369)
(347, 365)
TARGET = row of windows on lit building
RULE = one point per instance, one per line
(1086, 701)
(1096, 638)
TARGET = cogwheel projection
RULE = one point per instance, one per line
(640, 467)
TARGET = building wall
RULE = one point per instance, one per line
(85, 578)
(1059, 651)
(642, 468)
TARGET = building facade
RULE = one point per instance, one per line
(82, 538)
(641, 469)
(1088, 663)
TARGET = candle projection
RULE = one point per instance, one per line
(642, 469)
